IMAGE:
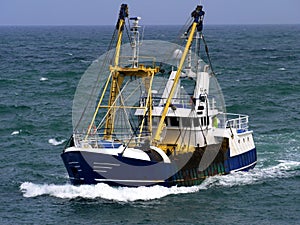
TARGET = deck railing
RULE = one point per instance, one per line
(237, 121)
(96, 140)
(126, 61)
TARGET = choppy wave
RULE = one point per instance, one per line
(281, 69)
(284, 169)
(16, 132)
(122, 194)
(85, 61)
(43, 79)
(55, 142)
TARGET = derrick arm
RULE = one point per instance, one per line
(176, 79)
(116, 80)
(114, 76)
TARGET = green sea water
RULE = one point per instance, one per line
(258, 68)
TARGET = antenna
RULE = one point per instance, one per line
(135, 40)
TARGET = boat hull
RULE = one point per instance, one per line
(92, 168)
(87, 167)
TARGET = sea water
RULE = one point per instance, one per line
(258, 68)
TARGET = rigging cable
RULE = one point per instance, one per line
(132, 135)
(127, 32)
(207, 53)
(98, 78)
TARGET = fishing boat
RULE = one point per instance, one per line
(155, 120)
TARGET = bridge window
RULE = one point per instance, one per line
(174, 121)
(186, 122)
(196, 122)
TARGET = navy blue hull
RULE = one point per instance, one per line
(91, 168)
(242, 162)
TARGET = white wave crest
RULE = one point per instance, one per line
(284, 169)
(16, 132)
(281, 69)
(55, 142)
(121, 194)
(43, 79)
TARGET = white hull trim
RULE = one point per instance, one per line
(242, 168)
(140, 181)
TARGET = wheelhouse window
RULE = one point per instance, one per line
(169, 121)
(174, 121)
(186, 122)
(196, 122)
(155, 120)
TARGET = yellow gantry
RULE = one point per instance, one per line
(118, 75)
(116, 78)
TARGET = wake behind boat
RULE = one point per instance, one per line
(152, 127)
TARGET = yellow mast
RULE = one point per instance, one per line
(116, 78)
(176, 79)
(114, 75)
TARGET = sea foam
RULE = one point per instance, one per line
(16, 132)
(284, 169)
(104, 191)
(43, 79)
(281, 68)
(55, 142)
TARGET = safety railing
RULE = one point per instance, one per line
(126, 61)
(237, 121)
(96, 140)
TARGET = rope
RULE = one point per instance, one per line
(98, 78)
(208, 56)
